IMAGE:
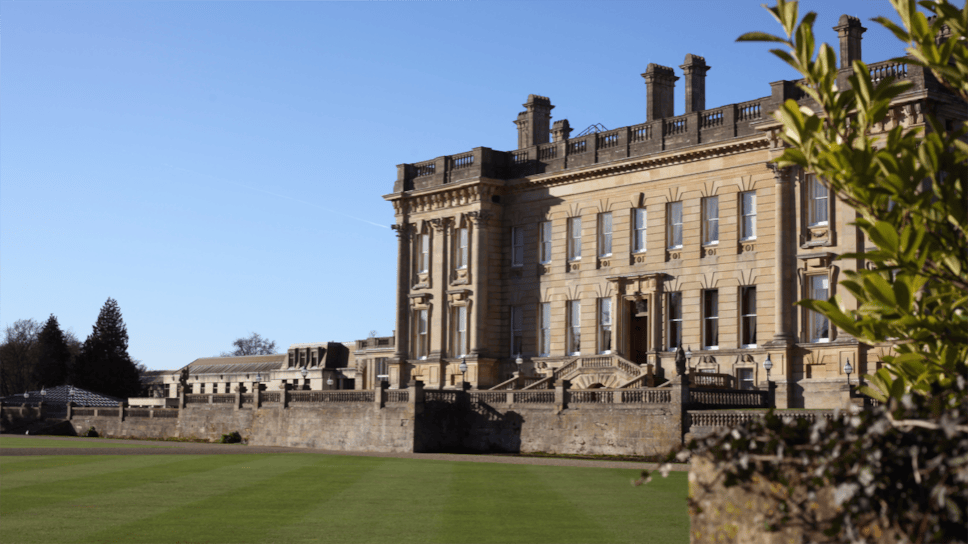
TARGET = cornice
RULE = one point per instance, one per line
(638, 164)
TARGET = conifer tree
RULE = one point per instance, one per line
(53, 355)
(104, 365)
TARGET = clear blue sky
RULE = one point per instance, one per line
(218, 167)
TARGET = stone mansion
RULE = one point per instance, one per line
(592, 258)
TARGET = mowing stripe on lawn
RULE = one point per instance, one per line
(398, 500)
(24, 442)
(77, 521)
(10, 466)
(287, 486)
(123, 472)
(512, 503)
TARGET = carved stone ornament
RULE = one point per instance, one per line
(439, 224)
(403, 230)
(478, 218)
(680, 361)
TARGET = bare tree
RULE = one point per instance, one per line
(253, 344)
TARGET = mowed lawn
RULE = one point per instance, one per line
(297, 497)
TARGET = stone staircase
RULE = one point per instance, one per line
(611, 371)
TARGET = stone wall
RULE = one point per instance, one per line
(349, 426)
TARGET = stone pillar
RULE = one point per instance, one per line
(284, 395)
(660, 83)
(380, 394)
(256, 395)
(238, 399)
(784, 278)
(181, 398)
(415, 397)
(694, 69)
(478, 265)
(121, 411)
(402, 340)
(851, 33)
(561, 394)
(70, 411)
(439, 267)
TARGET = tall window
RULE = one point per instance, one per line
(747, 295)
(460, 240)
(517, 246)
(747, 210)
(545, 229)
(517, 330)
(604, 234)
(460, 331)
(423, 257)
(544, 335)
(638, 225)
(818, 328)
(817, 201)
(674, 221)
(675, 320)
(574, 327)
(710, 220)
(574, 238)
(710, 319)
(605, 325)
(423, 335)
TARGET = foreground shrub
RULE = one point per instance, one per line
(231, 438)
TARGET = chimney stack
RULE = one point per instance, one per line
(560, 131)
(533, 122)
(660, 84)
(695, 69)
(850, 30)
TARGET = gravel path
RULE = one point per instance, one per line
(197, 448)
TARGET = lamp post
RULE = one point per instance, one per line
(26, 395)
(463, 370)
(258, 380)
(767, 365)
(329, 382)
(848, 369)
(304, 373)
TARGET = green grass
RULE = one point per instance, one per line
(23, 442)
(298, 497)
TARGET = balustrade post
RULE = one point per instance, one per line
(121, 411)
(238, 399)
(510, 399)
(617, 396)
(284, 395)
(70, 410)
(181, 398)
(256, 396)
(211, 398)
(379, 394)
(561, 394)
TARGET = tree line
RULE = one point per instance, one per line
(35, 356)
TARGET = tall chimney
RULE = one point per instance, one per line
(660, 84)
(850, 30)
(695, 69)
(533, 122)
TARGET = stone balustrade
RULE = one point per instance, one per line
(728, 398)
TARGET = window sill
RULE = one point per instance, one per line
(748, 346)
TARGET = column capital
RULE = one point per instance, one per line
(403, 230)
(479, 218)
(781, 175)
(439, 224)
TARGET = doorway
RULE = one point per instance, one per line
(639, 331)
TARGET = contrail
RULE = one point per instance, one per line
(306, 202)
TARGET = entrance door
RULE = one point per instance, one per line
(639, 332)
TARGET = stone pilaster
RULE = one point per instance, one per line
(439, 317)
(478, 265)
(404, 236)
(784, 253)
